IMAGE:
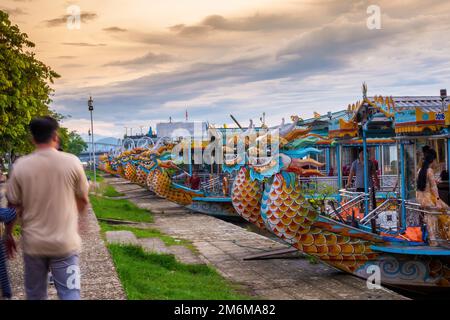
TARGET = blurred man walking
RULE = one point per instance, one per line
(51, 189)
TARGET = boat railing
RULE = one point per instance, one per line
(412, 206)
(315, 183)
(210, 184)
(351, 211)
(213, 184)
(381, 208)
(441, 224)
(204, 179)
(350, 199)
(386, 216)
(387, 182)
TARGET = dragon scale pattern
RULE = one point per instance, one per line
(246, 198)
(292, 218)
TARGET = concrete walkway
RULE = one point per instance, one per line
(99, 280)
(224, 245)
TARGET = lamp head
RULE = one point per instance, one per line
(330, 115)
(91, 104)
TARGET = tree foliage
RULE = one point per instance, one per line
(72, 142)
(25, 90)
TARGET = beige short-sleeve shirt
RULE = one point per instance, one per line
(45, 184)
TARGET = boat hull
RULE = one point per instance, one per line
(419, 273)
(385, 260)
(214, 208)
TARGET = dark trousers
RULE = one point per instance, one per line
(372, 196)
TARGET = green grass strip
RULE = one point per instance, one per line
(119, 210)
(150, 276)
(148, 233)
(109, 191)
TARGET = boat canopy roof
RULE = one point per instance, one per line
(385, 117)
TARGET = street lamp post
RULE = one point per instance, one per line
(91, 109)
(443, 98)
(90, 150)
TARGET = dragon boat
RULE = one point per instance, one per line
(153, 168)
(273, 192)
(211, 199)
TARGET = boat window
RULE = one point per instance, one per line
(441, 156)
(349, 155)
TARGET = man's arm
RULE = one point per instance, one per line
(14, 191)
(82, 204)
(82, 190)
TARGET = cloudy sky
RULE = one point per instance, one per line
(146, 60)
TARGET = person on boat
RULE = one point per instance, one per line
(427, 194)
(194, 181)
(225, 185)
(331, 172)
(357, 170)
(375, 164)
(425, 150)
